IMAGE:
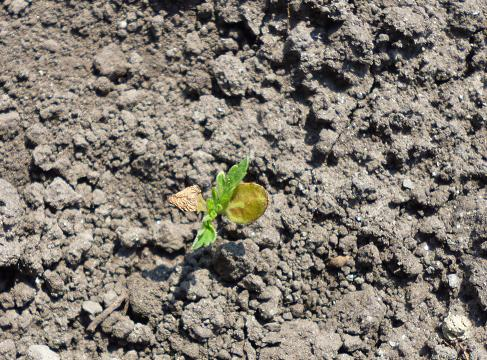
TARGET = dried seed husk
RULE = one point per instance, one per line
(248, 203)
(188, 199)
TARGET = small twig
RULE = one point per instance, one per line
(106, 313)
(126, 307)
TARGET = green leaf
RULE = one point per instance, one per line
(206, 235)
(234, 177)
(220, 182)
(237, 173)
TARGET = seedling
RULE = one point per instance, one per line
(241, 203)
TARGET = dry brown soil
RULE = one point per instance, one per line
(365, 120)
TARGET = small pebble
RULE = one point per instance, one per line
(99, 197)
(338, 262)
(17, 6)
(91, 307)
(407, 184)
(51, 45)
(453, 280)
(109, 297)
(8, 349)
(456, 327)
(41, 352)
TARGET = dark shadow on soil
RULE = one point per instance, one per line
(172, 7)
(159, 273)
(7, 278)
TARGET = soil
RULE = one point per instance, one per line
(366, 121)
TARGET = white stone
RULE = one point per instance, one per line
(456, 327)
(91, 307)
(408, 184)
(41, 352)
(17, 6)
(453, 280)
(109, 297)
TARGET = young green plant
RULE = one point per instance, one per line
(240, 202)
